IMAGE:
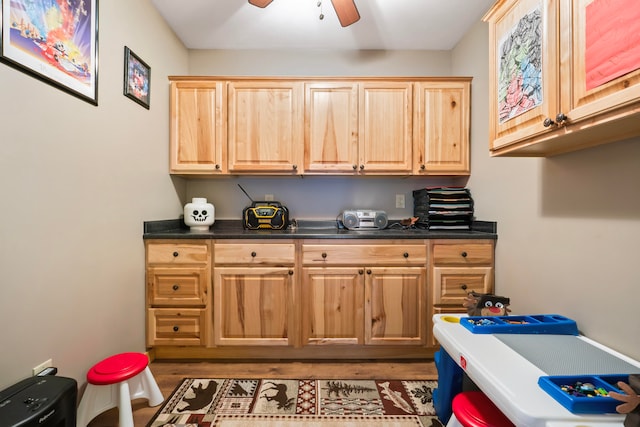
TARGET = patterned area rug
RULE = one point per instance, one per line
(207, 402)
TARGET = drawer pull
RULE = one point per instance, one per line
(463, 287)
(464, 254)
(406, 254)
(253, 254)
(175, 254)
(176, 329)
(176, 287)
(324, 254)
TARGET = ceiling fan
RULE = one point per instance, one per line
(345, 9)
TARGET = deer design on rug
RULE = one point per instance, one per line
(284, 402)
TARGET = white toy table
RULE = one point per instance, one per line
(510, 379)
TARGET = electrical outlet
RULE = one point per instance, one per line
(44, 365)
(268, 197)
(400, 201)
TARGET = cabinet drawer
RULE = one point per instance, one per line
(176, 326)
(177, 253)
(463, 254)
(254, 253)
(174, 287)
(313, 254)
(451, 285)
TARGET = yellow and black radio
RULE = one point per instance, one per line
(265, 216)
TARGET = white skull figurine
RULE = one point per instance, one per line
(199, 214)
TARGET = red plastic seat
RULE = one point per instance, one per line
(117, 368)
(474, 409)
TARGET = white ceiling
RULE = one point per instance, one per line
(295, 24)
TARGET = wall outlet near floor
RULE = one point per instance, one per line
(44, 365)
(400, 201)
(268, 197)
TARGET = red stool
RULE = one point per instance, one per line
(115, 381)
(474, 409)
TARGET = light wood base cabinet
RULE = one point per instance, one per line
(178, 289)
(457, 268)
(307, 299)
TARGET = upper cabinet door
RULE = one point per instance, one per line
(198, 138)
(265, 126)
(331, 127)
(605, 60)
(523, 69)
(441, 127)
(385, 127)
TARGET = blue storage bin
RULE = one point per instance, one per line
(450, 377)
(532, 324)
(584, 404)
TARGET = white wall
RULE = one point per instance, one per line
(568, 226)
(76, 182)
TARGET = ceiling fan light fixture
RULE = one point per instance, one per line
(260, 3)
(347, 11)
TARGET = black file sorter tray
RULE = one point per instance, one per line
(554, 324)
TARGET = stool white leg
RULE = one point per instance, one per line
(95, 400)
(124, 406)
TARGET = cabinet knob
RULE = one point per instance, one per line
(361, 167)
(422, 167)
(295, 167)
(463, 287)
(176, 329)
(355, 167)
(561, 118)
(463, 254)
(175, 254)
(176, 287)
(406, 254)
(217, 167)
(368, 271)
(324, 255)
(360, 271)
(548, 122)
(290, 272)
(253, 254)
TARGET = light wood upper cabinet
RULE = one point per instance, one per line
(198, 138)
(358, 127)
(265, 126)
(441, 127)
(331, 127)
(563, 75)
(385, 127)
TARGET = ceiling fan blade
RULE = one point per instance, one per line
(260, 3)
(347, 11)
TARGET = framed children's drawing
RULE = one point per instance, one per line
(54, 41)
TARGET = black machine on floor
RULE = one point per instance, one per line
(46, 401)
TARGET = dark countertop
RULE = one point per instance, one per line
(310, 229)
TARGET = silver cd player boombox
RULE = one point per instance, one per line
(358, 219)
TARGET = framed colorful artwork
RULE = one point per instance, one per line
(137, 78)
(55, 41)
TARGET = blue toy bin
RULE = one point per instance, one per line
(530, 324)
(598, 404)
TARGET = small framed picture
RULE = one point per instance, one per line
(137, 78)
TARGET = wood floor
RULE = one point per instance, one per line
(169, 374)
